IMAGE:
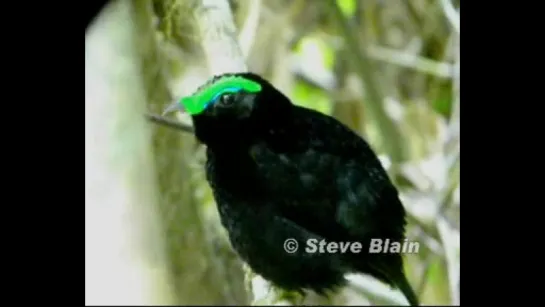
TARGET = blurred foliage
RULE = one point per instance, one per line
(409, 50)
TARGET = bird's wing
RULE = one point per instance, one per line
(326, 171)
(368, 205)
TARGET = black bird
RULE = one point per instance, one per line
(282, 171)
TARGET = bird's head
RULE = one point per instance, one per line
(233, 105)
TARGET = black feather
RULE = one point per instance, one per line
(286, 171)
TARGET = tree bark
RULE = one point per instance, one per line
(124, 264)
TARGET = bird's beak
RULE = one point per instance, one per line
(174, 107)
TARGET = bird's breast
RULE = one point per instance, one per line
(259, 174)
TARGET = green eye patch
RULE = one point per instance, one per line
(197, 103)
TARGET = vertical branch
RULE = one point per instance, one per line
(218, 39)
(196, 275)
(451, 243)
(247, 34)
(374, 100)
(452, 14)
(123, 260)
(453, 140)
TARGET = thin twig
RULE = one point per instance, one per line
(416, 62)
(163, 121)
(452, 14)
(449, 236)
(424, 276)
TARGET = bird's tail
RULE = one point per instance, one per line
(403, 284)
(392, 275)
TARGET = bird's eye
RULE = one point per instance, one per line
(227, 99)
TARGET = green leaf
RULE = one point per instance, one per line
(348, 7)
(310, 97)
(315, 50)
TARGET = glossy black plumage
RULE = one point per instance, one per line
(280, 171)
